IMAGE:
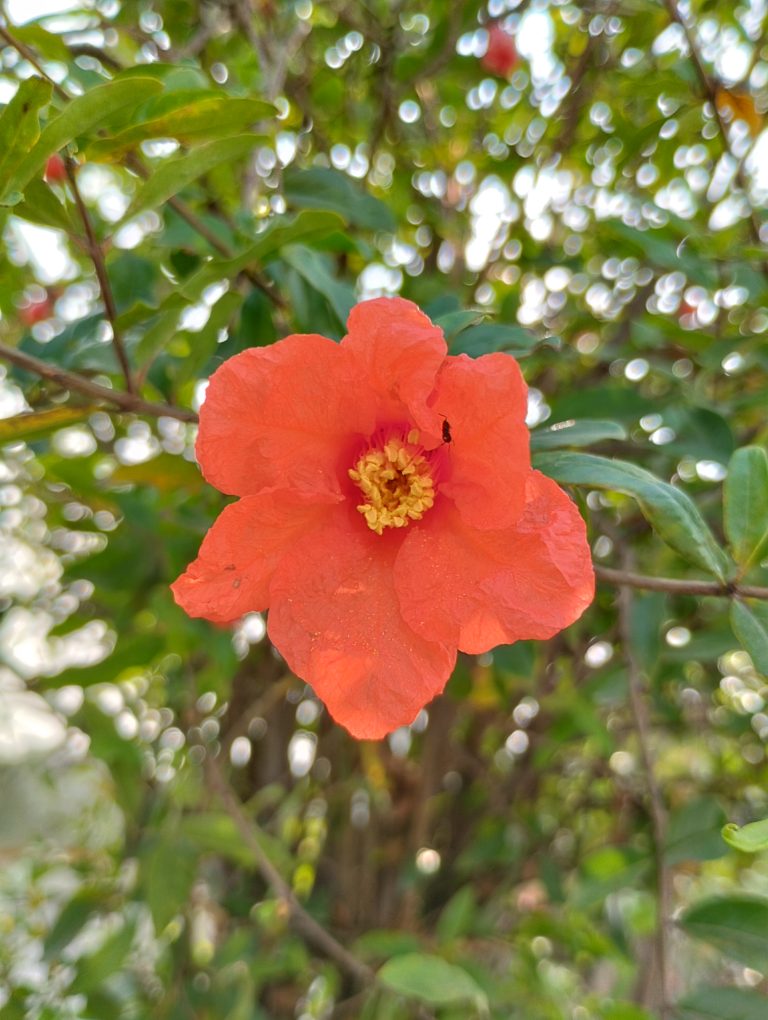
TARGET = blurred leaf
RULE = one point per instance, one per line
(79, 116)
(47, 44)
(745, 505)
(749, 619)
(20, 127)
(382, 942)
(173, 175)
(94, 970)
(736, 925)
(458, 915)
(723, 1004)
(217, 833)
(167, 870)
(453, 323)
(669, 511)
(750, 838)
(433, 980)
(73, 917)
(490, 337)
(576, 433)
(741, 106)
(32, 425)
(324, 188)
(42, 206)
(694, 832)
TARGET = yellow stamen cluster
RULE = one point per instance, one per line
(396, 482)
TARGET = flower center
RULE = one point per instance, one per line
(396, 481)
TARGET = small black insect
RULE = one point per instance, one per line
(447, 437)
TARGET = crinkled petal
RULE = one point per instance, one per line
(335, 618)
(276, 416)
(237, 559)
(477, 588)
(398, 352)
(484, 402)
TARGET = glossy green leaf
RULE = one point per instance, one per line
(749, 619)
(576, 433)
(189, 116)
(714, 1003)
(745, 505)
(736, 925)
(324, 188)
(432, 980)
(173, 175)
(20, 128)
(80, 116)
(313, 268)
(670, 512)
(750, 838)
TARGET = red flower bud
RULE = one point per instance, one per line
(55, 170)
(36, 311)
(501, 56)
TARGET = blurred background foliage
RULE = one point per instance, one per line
(184, 834)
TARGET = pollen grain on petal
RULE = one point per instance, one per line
(397, 483)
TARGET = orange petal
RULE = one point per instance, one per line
(484, 402)
(398, 352)
(276, 416)
(335, 618)
(479, 589)
(239, 554)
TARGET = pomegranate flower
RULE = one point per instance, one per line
(388, 513)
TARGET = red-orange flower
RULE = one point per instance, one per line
(388, 513)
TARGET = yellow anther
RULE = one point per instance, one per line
(396, 482)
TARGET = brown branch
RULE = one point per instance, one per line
(72, 381)
(30, 57)
(304, 923)
(657, 812)
(677, 586)
(97, 258)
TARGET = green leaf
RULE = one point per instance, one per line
(167, 869)
(576, 433)
(173, 175)
(750, 838)
(23, 427)
(453, 323)
(80, 116)
(324, 188)
(313, 268)
(47, 44)
(745, 505)
(20, 126)
(41, 205)
(95, 969)
(490, 337)
(749, 619)
(711, 1003)
(71, 920)
(432, 980)
(736, 925)
(694, 832)
(669, 511)
(189, 116)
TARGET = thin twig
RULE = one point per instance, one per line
(72, 381)
(677, 586)
(304, 923)
(709, 90)
(97, 258)
(30, 57)
(657, 811)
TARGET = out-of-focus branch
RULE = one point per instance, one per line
(677, 586)
(656, 809)
(30, 57)
(304, 923)
(97, 258)
(709, 90)
(72, 381)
